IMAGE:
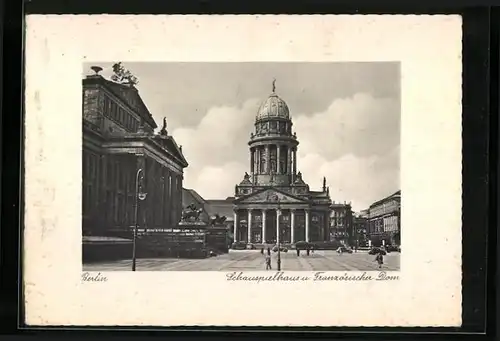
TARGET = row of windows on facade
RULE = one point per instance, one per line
(387, 224)
(260, 158)
(115, 174)
(386, 207)
(117, 200)
(285, 217)
(121, 182)
(119, 114)
(119, 208)
(273, 127)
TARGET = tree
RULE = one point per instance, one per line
(122, 75)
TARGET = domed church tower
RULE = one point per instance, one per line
(273, 146)
(273, 203)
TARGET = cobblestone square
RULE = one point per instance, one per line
(253, 260)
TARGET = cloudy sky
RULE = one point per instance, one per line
(346, 116)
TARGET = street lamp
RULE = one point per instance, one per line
(139, 195)
(278, 235)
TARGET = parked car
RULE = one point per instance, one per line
(239, 246)
(302, 245)
(392, 248)
(327, 245)
(282, 249)
(376, 251)
(344, 249)
(251, 247)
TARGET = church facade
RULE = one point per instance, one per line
(273, 198)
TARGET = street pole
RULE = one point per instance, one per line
(278, 239)
(136, 206)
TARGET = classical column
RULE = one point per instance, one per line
(278, 159)
(307, 225)
(278, 213)
(259, 156)
(235, 227)
(255, 160)
(268, 160)
(288, 160)
(252, 160)
(326, 218)
(292, 226)
(263, 226)
(249, 223)
(294, 161)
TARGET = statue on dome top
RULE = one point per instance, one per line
(274, 85)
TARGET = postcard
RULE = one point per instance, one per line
(249, 170)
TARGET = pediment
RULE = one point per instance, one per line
(270, 196)
(169, 144)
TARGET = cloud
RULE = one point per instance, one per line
(360, 181)
(354, 143)
(362, 125)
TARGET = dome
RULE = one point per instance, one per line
(273, 107)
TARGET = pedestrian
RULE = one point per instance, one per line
(269, 251)
(298, 252)
(262, 251)
(308, 251)
(379, 259)
(268, 262)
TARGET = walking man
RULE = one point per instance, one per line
(379, 259)
(268, 262)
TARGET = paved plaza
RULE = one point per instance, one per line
(253, 260)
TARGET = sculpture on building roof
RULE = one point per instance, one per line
(217, 219)
(324, 183)
(163, 130)
(274, 85)
(122, 75)
(191, 213)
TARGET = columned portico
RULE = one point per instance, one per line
(276, 222)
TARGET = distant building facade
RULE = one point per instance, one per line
(118, 145)
(384, 225)
(273, 198)
(360, 227)
(341, 222)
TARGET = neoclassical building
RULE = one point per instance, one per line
(273, 198)
(119, 142)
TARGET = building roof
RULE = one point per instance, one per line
(127, 93)
(392, 196)
(221, 207)
(273, 107)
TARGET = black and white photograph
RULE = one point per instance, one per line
(251, 166)
(258, 158)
